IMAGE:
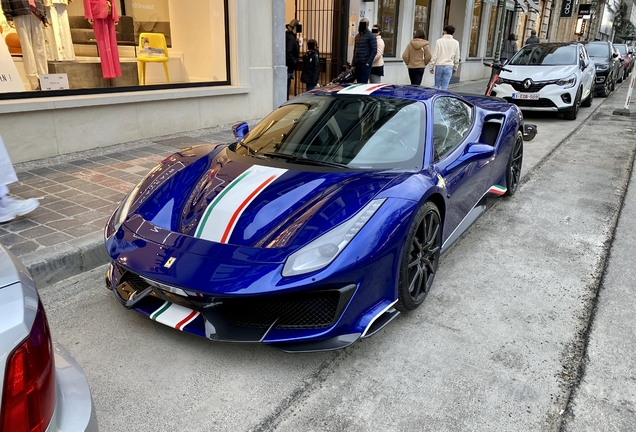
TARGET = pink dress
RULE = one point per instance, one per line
(104, 28)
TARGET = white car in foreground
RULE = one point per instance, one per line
(557, 77)
(42, 388)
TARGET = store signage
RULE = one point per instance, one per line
(9, 79)
(566, 9)
(54, 82)
(585, 9)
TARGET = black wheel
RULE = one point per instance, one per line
(588, 102)
(513, 169)
(420, 258)
(574, 111)
(606, 88)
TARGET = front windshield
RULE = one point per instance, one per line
(545, 55)
(361, 132)
(622, 49)
(597, 50)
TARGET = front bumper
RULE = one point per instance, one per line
(552, 97)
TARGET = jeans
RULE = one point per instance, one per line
(416, 74)
(362, 74)
(375, 79)
(443, 76)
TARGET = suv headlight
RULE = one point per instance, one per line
(322, 251)
(567, 82)
(602, 67)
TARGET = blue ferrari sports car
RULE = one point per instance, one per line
(321, 224)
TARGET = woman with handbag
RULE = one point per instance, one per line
(416, 56)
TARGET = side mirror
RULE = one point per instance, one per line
(614, 55)
(585, 63)
(472, 153)
(240, 129)
(622, 60)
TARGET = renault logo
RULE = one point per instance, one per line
(527, 83)
(169, 263)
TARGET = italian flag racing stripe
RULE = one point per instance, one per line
(497, 190)
(225, 210)
(361, 89)
(174, 316)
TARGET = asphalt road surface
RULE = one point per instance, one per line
(502, 343)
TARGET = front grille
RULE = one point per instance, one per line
(534, 87)
(540, 103)
(136, 282)
(312, 310)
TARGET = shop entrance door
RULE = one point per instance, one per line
(326, 22)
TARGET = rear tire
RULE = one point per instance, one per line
(588, 102)
(420, 258)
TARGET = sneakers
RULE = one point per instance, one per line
(12, 207)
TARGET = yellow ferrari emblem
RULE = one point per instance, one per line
(169, 263)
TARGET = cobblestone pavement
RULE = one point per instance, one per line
(78, 192)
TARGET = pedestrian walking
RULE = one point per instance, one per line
(11, 207)
(377, 68)
(291, 52)
(533, 39)
(311, 65)
(445, 60)
(416, 56)
(509, 48)
(364, 50)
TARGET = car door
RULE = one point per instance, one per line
(461, 162)
(588, 74)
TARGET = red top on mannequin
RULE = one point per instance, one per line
(98, 9)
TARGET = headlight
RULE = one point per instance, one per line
(567, 82)
(602, 67)
(322, 251)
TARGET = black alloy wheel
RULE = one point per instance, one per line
(574, 111)
(513, 169)
(606, 87)
(420, 258)
(588, 102)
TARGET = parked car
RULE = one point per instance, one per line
(622, 66)
(629, 61)
(549, 77)
(321, 224)
(608, 66)
(42, 387)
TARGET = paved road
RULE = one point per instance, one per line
(502, 343)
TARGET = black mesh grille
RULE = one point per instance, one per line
(313, 310)
(540, 103)
(135, 281)
(490, 132)
(534, 87)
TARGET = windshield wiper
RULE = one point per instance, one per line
(304, 160)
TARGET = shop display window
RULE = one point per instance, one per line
(475, 26)
(112, 45)
(422, 11)
(388, 21)
(492, 28)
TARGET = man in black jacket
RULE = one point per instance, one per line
(364, 51)
(291, 52)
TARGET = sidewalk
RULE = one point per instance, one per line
(79, 191)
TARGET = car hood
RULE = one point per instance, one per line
(243, 201)
(538, 73)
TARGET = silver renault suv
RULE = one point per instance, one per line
(42, 387)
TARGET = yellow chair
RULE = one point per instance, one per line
(150, 47)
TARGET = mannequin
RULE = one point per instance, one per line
(29, 23)
(102, 14)
(58, 35)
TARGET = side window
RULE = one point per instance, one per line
(452, 120)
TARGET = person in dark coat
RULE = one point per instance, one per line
(364, 51)
(291, 52)
(533, 39)
(311, 65)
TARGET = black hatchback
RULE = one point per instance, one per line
(608, 66)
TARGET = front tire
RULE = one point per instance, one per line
(513, 168)
(420, 258)
(574, 111)
(588, 102)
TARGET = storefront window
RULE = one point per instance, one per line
(421, 16)
(474, 29)
(112, 45)
(492, 28)
(387, 20)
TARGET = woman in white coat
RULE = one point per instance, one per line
(11, 207)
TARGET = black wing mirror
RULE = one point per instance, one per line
(614, 55)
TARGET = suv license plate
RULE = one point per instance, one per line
(527, 96)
